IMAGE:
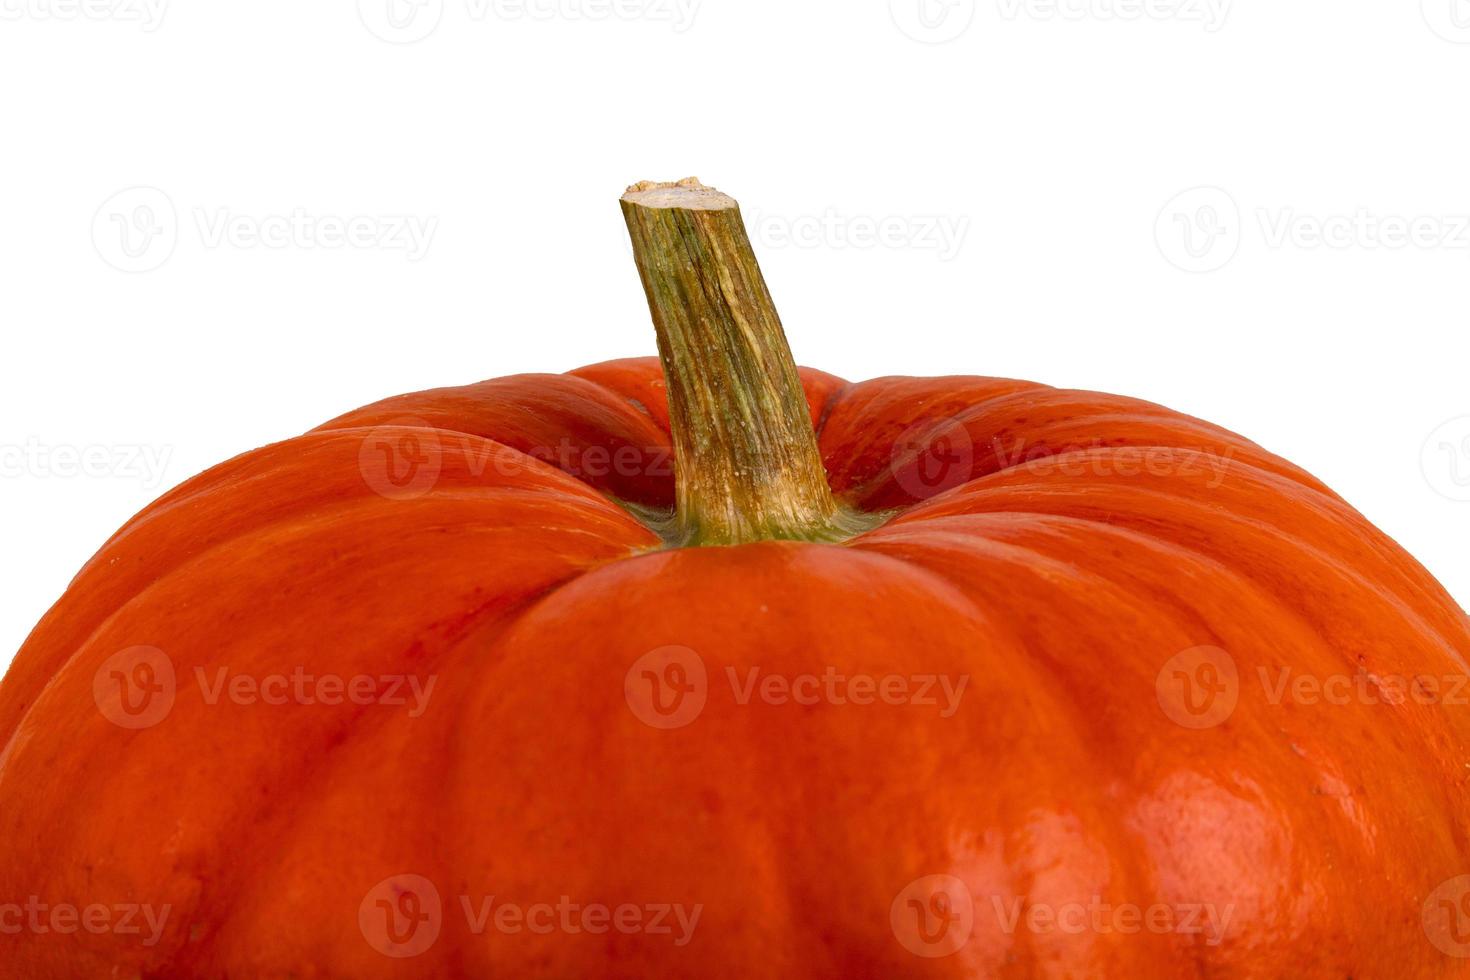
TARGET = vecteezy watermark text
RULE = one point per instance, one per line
(1201, 687)
(305, 688)
(34, 916)
(408, 21)
(833, 687)
(668, 688)
(936, 915)
(942, 234)
(402, 916)
(1445, 459)
(939, 21)
(1282, 227)
(147, 14)
(405, 458)
(137, 687)
(937, 455)
(1210, 14)
(408, 233)
(672, 919)
(33, 458)
(1202, 229)
(1101, 917)
(138, 230)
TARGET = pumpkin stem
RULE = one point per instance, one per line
(747, 466)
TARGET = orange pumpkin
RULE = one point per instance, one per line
(1048, 684)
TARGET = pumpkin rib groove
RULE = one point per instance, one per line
(1413, 623)
(473, 647)
(304, 522)
(1325, 559)
(140, 599)
(531, 412)
(940, 529)
(827, 408)
(873, 491)
(960, 491)
(1090, 414)
(871, 403)
(509, 614)
(918, 539)
(1109, 768)
(206, 483)
(1409, 578)
(1413, 579)
(636, 380)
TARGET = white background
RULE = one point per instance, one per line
(1033, 177)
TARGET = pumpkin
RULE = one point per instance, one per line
(709, 666)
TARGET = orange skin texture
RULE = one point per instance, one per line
(1059, 591)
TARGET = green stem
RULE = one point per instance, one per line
(746, 457)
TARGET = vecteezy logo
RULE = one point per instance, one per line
(931, 457)
(667, 688)
(1445, 459)
(401, 916)
(1446, 917)
(401, 460)
(933, 916)
(135, 230)
(932, 21)
(400, 21)
(1199, 687)
(1199, 230)
(1450, 19)
(135, 688)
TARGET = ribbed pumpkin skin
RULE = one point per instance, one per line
(1060, 592)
